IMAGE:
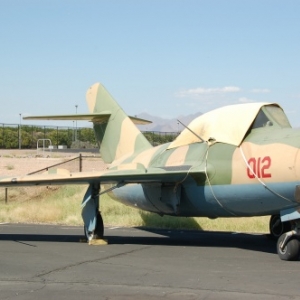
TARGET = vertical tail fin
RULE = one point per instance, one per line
(118, 136)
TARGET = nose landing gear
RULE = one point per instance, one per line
(288, 246)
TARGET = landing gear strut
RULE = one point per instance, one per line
(93, 222)
(277, 228)
(99, 230)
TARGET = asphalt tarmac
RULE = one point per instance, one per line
(49, 262)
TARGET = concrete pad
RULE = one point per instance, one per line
(46, 261)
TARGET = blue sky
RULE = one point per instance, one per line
(166, 58)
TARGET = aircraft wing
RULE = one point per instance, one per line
(136, 175)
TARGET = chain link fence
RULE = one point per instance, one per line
(14, 136)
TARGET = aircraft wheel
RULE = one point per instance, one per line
(277, 228)
(290, 251)
(98, 232)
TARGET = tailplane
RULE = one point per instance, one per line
(117, 135)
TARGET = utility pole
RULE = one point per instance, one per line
(20, 132)
(73, 135)
(76, 125)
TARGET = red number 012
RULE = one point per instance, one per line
(259, 166)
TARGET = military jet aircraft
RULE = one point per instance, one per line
(236, 161)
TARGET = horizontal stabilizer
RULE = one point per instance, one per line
(93, 117)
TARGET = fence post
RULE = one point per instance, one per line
(5, 195)
(57, 137)
(3, 136)
(80, 162)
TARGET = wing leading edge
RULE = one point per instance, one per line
(137, 175)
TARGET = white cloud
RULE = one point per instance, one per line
(260, 91)
(200, 91)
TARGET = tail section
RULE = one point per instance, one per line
(118, 136)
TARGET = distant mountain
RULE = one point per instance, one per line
(166, 125)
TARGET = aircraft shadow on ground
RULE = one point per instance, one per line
(194, 238)
(41, 238)
(162, 237)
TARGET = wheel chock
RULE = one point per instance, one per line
(98, 242)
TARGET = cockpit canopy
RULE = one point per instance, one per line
(271, 115)
(230, 124)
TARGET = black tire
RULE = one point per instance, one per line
(98, 232)
(278, 228)
(290, 251)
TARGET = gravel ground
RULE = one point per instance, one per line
(21, 162)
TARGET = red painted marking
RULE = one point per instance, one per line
(260, 167)
(252, 164)
(267, 164)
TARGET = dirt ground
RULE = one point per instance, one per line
(21, 162)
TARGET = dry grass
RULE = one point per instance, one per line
(61, 205)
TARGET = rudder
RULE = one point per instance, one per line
(118, 136)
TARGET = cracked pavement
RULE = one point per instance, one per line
(48, 261)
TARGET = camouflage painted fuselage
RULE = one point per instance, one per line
(259, 177)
